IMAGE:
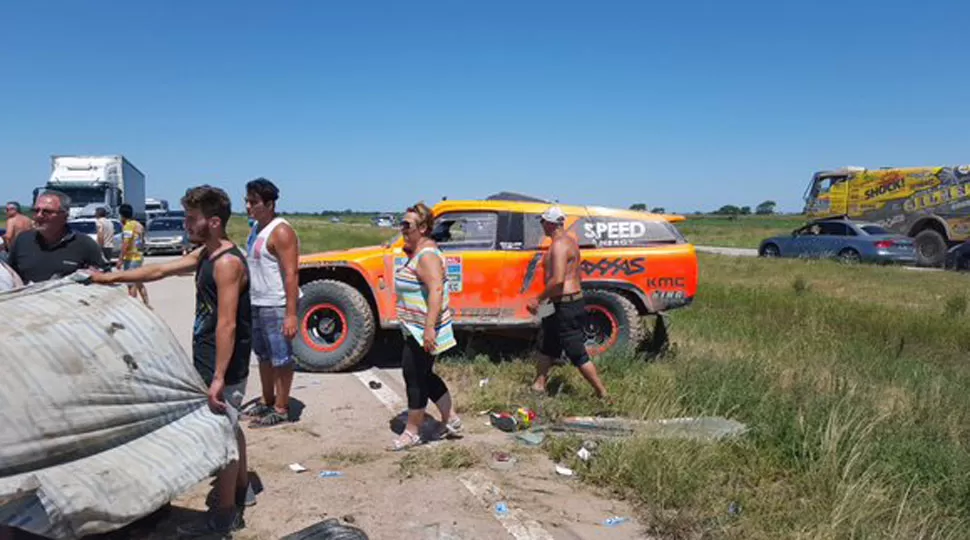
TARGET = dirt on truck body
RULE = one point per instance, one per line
(634, 264)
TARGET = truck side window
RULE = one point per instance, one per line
(466, 231)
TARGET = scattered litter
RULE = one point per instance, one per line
(482, 382)
(583, 454)
(330, 474)
(502, 461)
(734, 509)
(501, 509)
(615, 521)
(530, 438)
(375, 385)
(504, 421)
(509, 422)
(483, 413)
(297, 468)
(565, 471)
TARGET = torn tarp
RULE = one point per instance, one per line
(104, 417)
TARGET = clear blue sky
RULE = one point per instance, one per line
(372, 105)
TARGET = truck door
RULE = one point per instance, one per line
(521, 277)
(469, 242)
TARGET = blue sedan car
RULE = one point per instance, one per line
(842, 239)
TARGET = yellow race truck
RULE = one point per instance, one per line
(929, 204)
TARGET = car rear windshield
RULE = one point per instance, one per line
(84, 227)
(165, 225)
(874, 229)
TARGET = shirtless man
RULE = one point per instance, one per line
(563, 329)
(16, 224)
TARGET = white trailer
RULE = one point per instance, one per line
(93, 181)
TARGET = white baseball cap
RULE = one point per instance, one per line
(553, 215)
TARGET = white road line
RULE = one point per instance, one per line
(515, 521)
(384, 394)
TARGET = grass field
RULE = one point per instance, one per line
(319, 234)
(853, 381)
(739, 232)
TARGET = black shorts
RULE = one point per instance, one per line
(563, 332)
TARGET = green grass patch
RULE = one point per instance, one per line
(739, 231)
(320, 235)
(424, 461)
(853, 383)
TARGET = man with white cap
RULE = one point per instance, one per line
(563, 329)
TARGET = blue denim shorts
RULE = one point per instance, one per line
(269, 345)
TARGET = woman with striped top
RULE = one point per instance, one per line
(425, 317)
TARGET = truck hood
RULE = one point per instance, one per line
(343, 255)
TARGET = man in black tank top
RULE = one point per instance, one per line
(221, 336)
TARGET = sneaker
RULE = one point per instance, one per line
(249, 500)
(212, 525)
(258, 411)
(452, 428)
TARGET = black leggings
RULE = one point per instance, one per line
(421, 381)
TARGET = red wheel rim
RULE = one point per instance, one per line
(599, 321)
(322, 322)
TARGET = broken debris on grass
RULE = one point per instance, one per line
(710, 428)
(531, 437)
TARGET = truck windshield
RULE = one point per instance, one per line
(83, 196)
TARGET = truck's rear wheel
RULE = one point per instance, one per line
(930, 248)
(336, 327)
(612, 322)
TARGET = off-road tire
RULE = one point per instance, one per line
(930, 248)
(337, 297)
(627, 329)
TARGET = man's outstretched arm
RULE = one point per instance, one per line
(151, 272)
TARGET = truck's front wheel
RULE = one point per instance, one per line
(930, 248)
(336, 327)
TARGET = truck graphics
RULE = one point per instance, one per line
(929, 204)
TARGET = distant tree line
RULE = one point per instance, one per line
(766, 208)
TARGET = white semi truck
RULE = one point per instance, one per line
(155, 208)
(93, 181)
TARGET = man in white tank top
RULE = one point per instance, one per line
(273, 252)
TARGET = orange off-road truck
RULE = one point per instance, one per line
(634, 264)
